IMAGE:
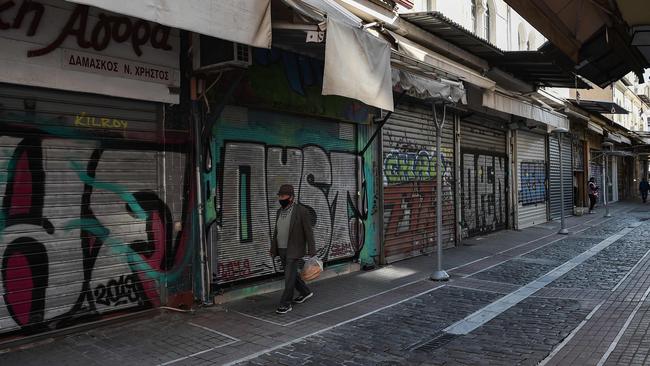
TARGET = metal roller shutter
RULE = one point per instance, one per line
(409, 139)
(84, 224)
(596, 171)
(483, 179)
(255, 153)
(554, 176)
(531, 179)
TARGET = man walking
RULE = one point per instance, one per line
(293, 232)
(643, 188)
(592, 189)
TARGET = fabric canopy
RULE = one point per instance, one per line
(357, 66)
(422, 54)
(524, 109)
(595, 128)
(242, 21)
(426, 88)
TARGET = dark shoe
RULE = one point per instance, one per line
(302, 298)
(283, 309)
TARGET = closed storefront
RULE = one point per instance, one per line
(409, 175)
(596, 171)
(555, 164)
(87, 225)
(579, 176)
(531, 179)
(92, 219)
(483, 176)
(254, 153)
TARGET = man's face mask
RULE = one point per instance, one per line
(284, 203)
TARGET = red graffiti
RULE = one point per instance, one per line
(21, 198)
(235, 269)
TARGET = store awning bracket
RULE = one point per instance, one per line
(382, 122)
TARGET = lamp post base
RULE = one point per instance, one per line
(439, 276)
(564, 231)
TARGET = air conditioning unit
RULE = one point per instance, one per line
(214, 54)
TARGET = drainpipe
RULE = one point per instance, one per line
(200, 225)
(370, 12)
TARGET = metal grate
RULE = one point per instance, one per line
(434, 343)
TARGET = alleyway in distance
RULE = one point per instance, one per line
(526, 297)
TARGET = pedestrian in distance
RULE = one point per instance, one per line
(643, 189)
(292, 238)
(592, 190)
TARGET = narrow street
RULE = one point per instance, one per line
(544, 298)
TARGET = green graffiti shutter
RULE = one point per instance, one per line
(409, 178)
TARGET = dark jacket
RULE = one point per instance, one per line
(301, 235)
(644, 186)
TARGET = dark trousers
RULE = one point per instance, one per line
(644, 195)
(291, 279)
(592, 201)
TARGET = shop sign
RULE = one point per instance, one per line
(51, 41)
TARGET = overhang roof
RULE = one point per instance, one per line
(599, 106)
(533, 67)
(597, 35)
(539, 69)
(443, 27)
(645, 99)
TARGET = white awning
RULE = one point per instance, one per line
(612, 136)
(242, 21)
(413, 50)
(504, 103)
(595, 128)
(357, 66)
(427, 88)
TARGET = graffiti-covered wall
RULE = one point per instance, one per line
(86, 226)
(278, 129)
(258, 152)
(409, 177)
(484, 168)
(484, 193)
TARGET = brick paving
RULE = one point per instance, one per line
(395, 316)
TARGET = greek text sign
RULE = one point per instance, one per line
(59, 45)
(111, 66)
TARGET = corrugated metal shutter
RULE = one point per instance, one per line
(531, 179)
(83, 209)
(596, 171)
(409, 140)
(578, 155)
(554, 176)
(483, 179)
(255, 153)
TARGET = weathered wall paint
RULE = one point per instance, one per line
(85, 227)
(285, 81)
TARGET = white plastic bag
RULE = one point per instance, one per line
(312, 269)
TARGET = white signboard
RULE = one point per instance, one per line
(55, 44)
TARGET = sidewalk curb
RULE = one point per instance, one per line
(278, 284)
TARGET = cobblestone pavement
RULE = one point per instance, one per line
(524, 334)
(596, 313)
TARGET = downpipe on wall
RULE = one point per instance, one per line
(200, 225)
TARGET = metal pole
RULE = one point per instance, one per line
(563, 229)
(200, 227)
(607, 214)
(605, 186)
(439, 274)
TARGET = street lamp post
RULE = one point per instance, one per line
(440, 274)
(606, 158)
(560, 132)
